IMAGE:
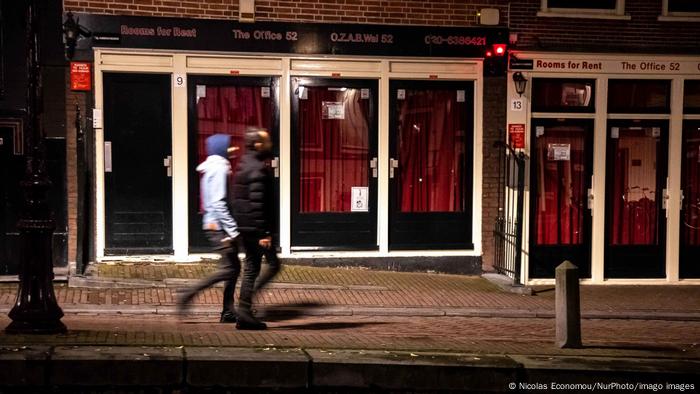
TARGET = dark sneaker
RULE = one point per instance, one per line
(228, 317)
(249, 323)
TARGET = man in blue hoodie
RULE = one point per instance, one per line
(218, 224)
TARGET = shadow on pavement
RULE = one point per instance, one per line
(324, 326)
(287, 311)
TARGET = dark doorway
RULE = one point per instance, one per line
(560, 177)
(11, 172)
(431, 169)
(138, 187)
(228, 105)
(334, 163)
(635, 223)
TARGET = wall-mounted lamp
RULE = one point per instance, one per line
(520, 83)
(71, 33)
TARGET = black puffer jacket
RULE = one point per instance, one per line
(253, 196)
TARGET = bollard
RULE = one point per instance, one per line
(568, 312)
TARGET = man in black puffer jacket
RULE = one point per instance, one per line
(253, 199)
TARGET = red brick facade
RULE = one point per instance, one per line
(642, 33)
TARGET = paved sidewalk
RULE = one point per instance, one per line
(337, 328)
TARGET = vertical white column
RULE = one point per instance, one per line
(478, 160)
(179, 161)
(383, 159)
(673, 204)
(600, 126)
(99, 163)
(285, 159)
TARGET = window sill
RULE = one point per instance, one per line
(678, 18)
(550, 14)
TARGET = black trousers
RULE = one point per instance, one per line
(252, 279)
(227, 272)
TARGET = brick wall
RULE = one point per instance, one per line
(415, 12)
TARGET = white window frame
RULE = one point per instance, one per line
(584, 13)
(667, 16)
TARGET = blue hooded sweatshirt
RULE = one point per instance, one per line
(215, 172)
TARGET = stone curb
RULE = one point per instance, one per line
(333, 310)
(83, 367)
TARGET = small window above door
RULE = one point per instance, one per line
(691, 96)
(630, 96)
(563, 95)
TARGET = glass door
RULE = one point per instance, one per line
(431, 165)
(227, 105)
(334, 164)
(690, 207)
(636, 171)
(560, 177)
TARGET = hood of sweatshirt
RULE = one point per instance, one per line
(217, 145)
(214, 162)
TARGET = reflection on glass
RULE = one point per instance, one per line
(431, 143)
(561, 186)
(334, 139)
(634, 179)
(690, 184)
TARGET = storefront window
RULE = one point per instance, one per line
(230, 110)
(690, 215)
(334, 137)
(562, 95)
(639, 96)
(634, 215)
(431, 150)
(691, 97)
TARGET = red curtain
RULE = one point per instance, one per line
(431, 144)
(690, 225)
(561, 181)
(230, 110)
(634, 212)
(334, 139)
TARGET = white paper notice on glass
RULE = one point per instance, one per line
(201, 92)
(559, 152)
(401, 94)
(364, 94)
(539, 131)
(333, 109)
(656, 132)
(359, 199)
(614, 132)
(460, 96)
(265, 91)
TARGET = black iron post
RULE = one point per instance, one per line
(81, 252)
(519, 218)
(36, 310)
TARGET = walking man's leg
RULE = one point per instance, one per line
(246, 321)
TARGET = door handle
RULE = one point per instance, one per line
(108, 156)
(168, 163)
(275, 164)
(590, 200)
(373, 166)
(393, 164)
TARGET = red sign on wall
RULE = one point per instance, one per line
(516, 135)
(80, 77)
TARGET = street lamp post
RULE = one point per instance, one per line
(36, 310)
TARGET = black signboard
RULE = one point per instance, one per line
(520, 64)
(287, 38)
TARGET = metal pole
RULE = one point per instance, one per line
(80, 161)
(36, 310)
